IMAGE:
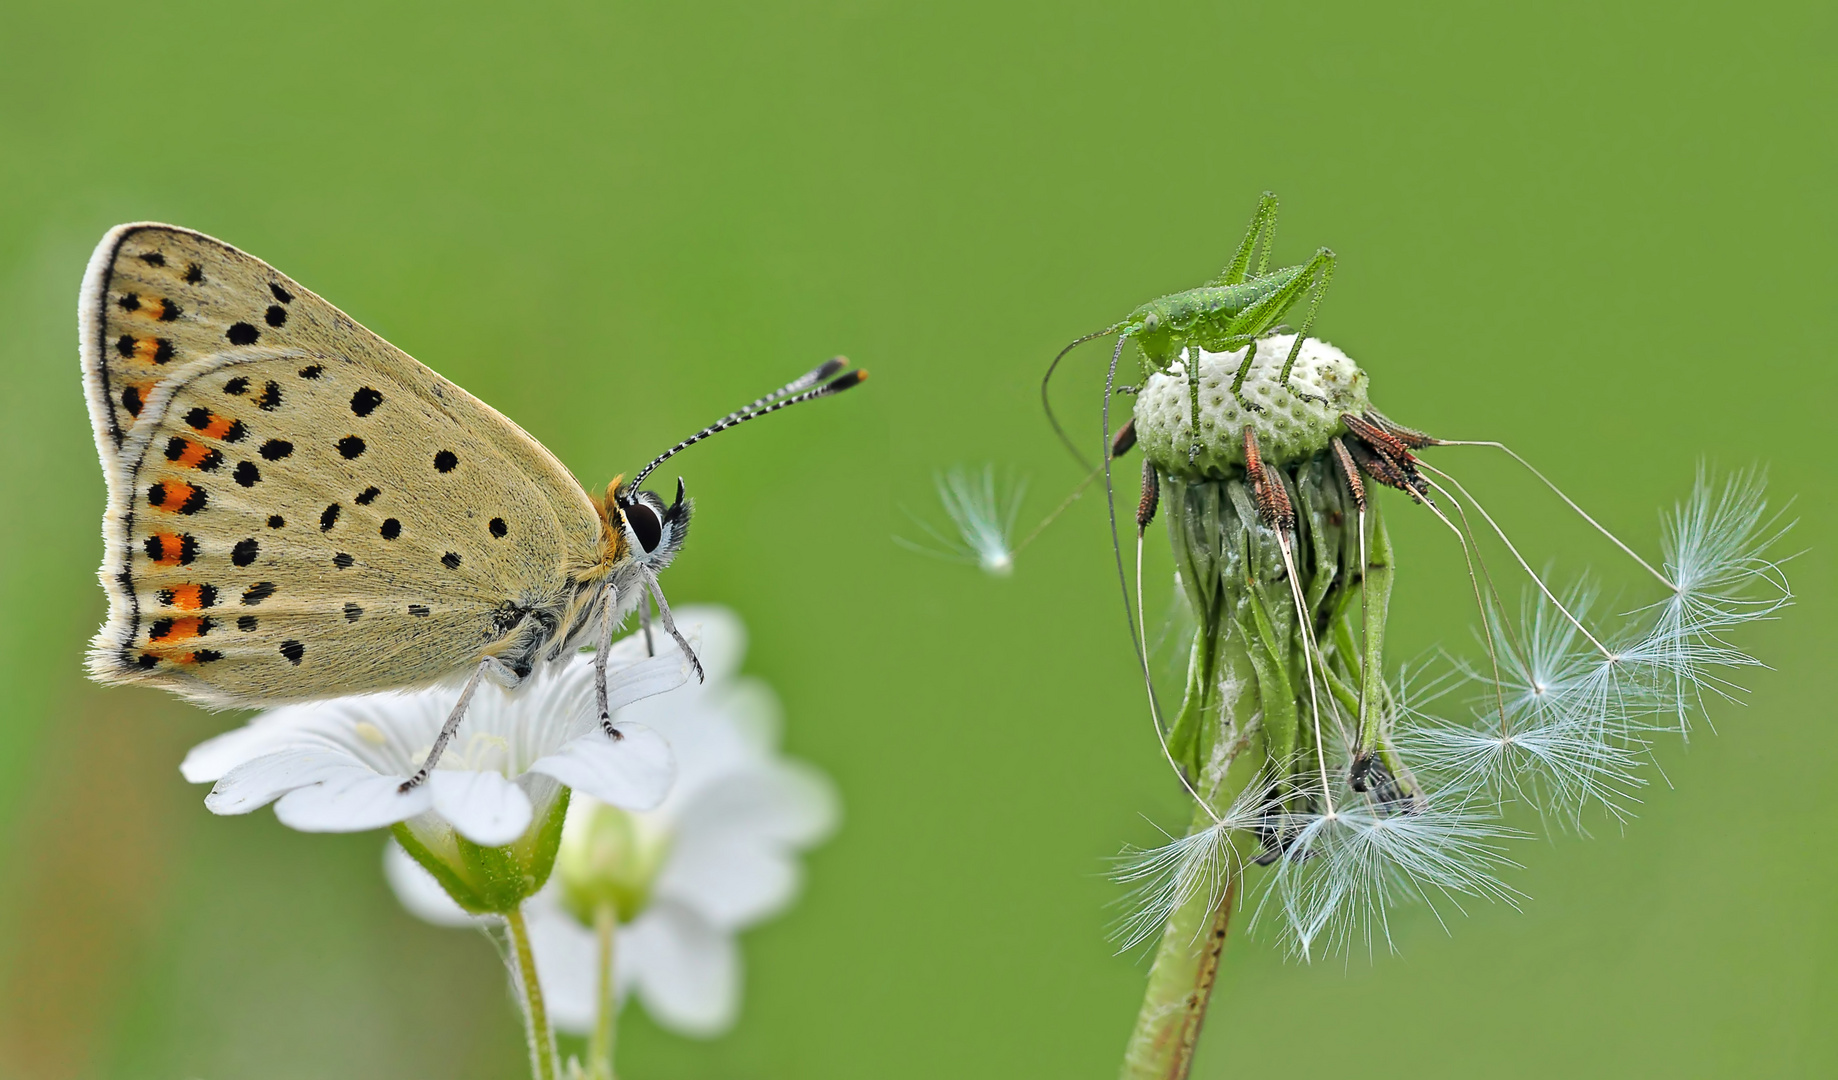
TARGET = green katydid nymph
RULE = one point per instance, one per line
(1247, 301)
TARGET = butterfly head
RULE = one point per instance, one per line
(653, 531)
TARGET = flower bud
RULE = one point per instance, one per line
(610, 857)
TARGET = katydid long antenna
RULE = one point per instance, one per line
(1046, 401)
(1132, 612)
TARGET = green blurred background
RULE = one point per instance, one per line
(1599, 233)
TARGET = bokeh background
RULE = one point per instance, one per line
(1600, 232)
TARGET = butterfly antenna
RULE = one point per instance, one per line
(804, 388)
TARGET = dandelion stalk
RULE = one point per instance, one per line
(1258, 768)
(529, 994)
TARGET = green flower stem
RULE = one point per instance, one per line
(535, 1016)
(1181, 982)
(600, 1043)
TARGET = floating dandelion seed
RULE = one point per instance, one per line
(984, 514)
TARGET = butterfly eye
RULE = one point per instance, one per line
(645, 525)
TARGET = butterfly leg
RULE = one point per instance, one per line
(663, 613)
(601, 650)
(644, 620)
(446, 730)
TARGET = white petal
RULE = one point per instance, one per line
(661, 673)
(351, 799)
(783, 801)
(483, 807)
(686, 971)
(567, 961)
(734, 859)
(730, 883)
(723, 638)
(634, 772)
(211, 759)
(258, 782)
(418, 890)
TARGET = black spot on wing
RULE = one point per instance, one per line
(368, 495)
(293, 650)
(353, 613)
(276, 521)
(390, 529)
(169, 311)
(280, 294)
(194, 274)
(450, 560)
(238, 385)
(131, 400)
(328, 518)
(242, 334)
(276, 449)
(129, 302)
(498, 528)
(350, 447)
(245, 622)
(245, 552)
(365, 401)
(271, 397)
(276, 315)
(152, 258)
(419, 611)
(312, 371)
(258, 592)
(247, 474)
(446, 461)
(343, 560)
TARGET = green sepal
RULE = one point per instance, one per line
(487, 880)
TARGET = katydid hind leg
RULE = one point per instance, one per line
(1318, 272)
(1263, 226)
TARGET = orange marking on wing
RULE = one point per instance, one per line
(186, 597)
(171, 546)
(217, 428)
(150, 308)
(145, 349)
(176, 494)
(192, 454)
(176, 629)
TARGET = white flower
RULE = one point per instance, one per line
(336, 766)
(719, 854)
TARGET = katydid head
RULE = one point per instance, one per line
(1152, 328)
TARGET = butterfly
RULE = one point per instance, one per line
(299, 510)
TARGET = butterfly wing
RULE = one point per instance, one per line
(297, 509)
